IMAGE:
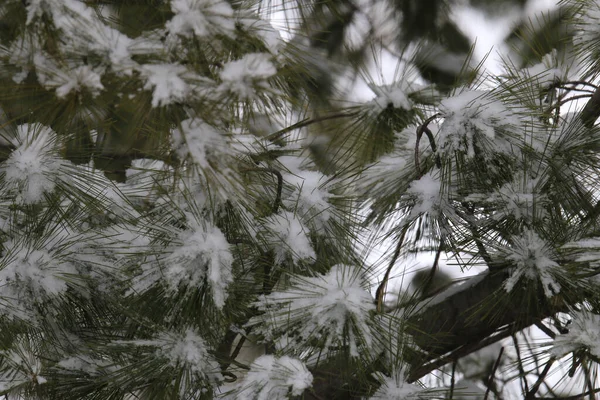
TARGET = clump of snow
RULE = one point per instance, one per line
(586, 251)
(396, 388)
(584, 332)
(589, 24)
(34, 166)
(427, 193)
(471, 118)
(83, 32)
(75, 79)
(29, 276)
(186, 350)
(275, 378)
(203, 253)
(335, 308)
(395, 95)
(22, 365)
(199, 141)
(287, 235)
(242, 76)
(262, 29)
(167, 83)
(532, 259)
(548, 71)
(310, 192)
(519, 199)
(83, 363)
(201, 18)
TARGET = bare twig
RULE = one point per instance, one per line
(536, 386)
(492, 374)
(423, 128)
(433, 270)
(545, 329)
(458, 353)
(524, 385)
(573, 397)
(380, 293)
(310, 121)
(451, 394)
(273, 171)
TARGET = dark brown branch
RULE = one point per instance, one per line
(591, 111)
(545, 329)
(537, 384)
(460, 352)
(574, 83)
(523, 377)
(380, 293)
(273, 171)
(573, 397)
(452, 379)
(423, 128)
(492, 374)
(310, 121)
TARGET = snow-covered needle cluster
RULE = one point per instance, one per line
(187, 198)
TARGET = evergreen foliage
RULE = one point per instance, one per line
(190, 191)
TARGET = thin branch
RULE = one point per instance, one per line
(458, 353)
(545, 329)
(575, 83)
(578, 97)
(380, 293)
(310, 121)
(236, 351)
(573, 397)
(536, 386)
(433, 270)
(588, 379)
(273, 171)
(591, 111)
(451, 394)
(493, 373)
(423, 128)
(574, 89)
(524, 385)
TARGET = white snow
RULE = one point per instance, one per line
(310, 192)
(75, 79)
(242, 76)
(520, 199)
(201, 18)
(396, 388)
(395, 95)
(470, 113)
(288, 236)
(584, 332)
(532, 259)
(426, 192)
(167, 83)
(262, 29)
(22, 366)
(203, 253)
(589, 24)
(334, 307)
(548, 71)
(29, 276)
(199, 141)
(274, 378)
(186, 350)
(34, 166)
(84, 33)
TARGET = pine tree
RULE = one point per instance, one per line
(190, 191)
